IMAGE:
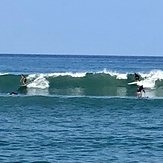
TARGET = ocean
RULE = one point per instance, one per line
(80, 108)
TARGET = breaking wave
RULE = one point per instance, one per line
(104, 83)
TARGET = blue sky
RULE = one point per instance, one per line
(127, 27)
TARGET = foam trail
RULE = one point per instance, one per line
(37, 91)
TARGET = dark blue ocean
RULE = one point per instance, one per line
(80, 109)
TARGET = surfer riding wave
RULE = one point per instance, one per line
(23, 80)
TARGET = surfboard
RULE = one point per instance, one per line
(145, 97)
(135, 82)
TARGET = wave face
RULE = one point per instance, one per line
(103, 83)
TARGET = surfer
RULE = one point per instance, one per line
(139, 91)
(24, 80)
(137, 77)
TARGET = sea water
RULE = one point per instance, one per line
(80, 109)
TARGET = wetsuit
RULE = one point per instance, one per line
(25, 80)
(140, 89)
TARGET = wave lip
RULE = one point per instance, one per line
(75, 75)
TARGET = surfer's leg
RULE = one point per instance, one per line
(139, 94)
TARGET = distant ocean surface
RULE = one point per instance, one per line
(80, 108)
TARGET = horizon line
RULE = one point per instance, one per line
(78, 54)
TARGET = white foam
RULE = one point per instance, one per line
(150, 78)
(38, 81)
(148, 81)
(118, 75)
(75, 75)
(3, 73)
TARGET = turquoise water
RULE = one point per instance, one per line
(80, 109)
